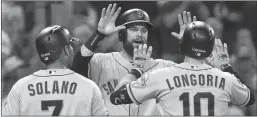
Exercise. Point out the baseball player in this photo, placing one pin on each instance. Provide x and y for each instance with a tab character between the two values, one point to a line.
192	88
107	69
56	90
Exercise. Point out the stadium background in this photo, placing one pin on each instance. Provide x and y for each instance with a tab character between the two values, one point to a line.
234	22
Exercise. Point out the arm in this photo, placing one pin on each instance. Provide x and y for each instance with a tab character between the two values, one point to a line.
106	26
228	68
220	59
144	88
12	103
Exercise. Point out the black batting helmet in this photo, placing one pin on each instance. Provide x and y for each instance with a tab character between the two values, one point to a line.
51	41
133	16
198	40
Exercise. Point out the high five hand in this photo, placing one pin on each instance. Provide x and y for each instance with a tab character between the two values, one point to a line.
106	25
220	57
183	23
141	58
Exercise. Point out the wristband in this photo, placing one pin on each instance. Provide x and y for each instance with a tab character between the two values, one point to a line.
94	40
136	72
225	66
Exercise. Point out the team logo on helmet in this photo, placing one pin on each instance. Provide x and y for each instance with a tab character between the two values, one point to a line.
140	14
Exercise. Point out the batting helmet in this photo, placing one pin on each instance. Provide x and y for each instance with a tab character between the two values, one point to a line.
133	16
198	40
50	42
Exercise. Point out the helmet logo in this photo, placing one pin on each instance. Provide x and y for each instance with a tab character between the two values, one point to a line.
46	58
198	54
140	14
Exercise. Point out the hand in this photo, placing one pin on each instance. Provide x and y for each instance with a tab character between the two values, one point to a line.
106	25
183	23
219	57
141	58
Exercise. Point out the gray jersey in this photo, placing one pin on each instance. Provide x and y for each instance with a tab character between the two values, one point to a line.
108	69
187	89
55	92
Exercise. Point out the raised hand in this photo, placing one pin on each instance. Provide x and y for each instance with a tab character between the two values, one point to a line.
220	56
183	23
141	58
106	25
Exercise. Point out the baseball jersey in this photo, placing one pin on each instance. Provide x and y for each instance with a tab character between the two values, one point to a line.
55	92
188	89
108	69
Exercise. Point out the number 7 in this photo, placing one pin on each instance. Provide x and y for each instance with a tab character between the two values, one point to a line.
57	103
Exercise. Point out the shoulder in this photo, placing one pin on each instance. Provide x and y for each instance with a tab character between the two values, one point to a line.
167	63
85	81
23	81
159	72
104	56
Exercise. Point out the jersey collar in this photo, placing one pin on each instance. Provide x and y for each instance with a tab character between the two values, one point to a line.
53	72
121	60
191	66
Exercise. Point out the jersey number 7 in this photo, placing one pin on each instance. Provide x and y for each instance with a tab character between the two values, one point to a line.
197	103
57	103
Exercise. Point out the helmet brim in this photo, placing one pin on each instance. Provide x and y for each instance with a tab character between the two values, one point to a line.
139	21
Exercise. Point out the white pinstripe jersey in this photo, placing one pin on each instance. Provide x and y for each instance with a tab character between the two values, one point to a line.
107	70
187	89
55	92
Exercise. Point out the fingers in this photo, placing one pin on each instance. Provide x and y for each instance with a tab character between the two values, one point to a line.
113	9
194	18
220	43
176	35
149	52
225	48
119	28
108	10
144	49
185	17
180	20
140	49
189	19
135	53
116	14
103	13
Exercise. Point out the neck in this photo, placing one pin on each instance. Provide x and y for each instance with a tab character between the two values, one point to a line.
126	55
193	61
55	65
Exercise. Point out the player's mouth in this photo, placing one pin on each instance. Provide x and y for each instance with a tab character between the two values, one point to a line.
138	42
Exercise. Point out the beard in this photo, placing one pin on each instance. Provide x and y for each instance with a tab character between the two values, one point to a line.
128	47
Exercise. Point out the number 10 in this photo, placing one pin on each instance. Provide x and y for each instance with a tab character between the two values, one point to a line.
197	103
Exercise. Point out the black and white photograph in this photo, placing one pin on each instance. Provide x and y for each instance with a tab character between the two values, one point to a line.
128	58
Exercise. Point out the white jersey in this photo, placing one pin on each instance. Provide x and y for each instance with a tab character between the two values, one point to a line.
108	69
187	89
54	92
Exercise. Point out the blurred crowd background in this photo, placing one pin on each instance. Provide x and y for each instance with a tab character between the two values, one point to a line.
234	22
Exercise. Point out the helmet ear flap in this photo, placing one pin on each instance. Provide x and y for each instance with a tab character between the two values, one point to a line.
122	35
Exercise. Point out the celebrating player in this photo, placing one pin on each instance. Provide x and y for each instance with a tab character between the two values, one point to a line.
56	90
192	87
108	69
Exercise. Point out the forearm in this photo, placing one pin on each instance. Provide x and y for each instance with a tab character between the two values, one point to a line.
84	55
81	64
120	96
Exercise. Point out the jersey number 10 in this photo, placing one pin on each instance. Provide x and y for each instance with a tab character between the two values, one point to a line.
197	103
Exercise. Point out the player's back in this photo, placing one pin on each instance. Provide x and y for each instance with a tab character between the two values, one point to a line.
56	92
194	90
